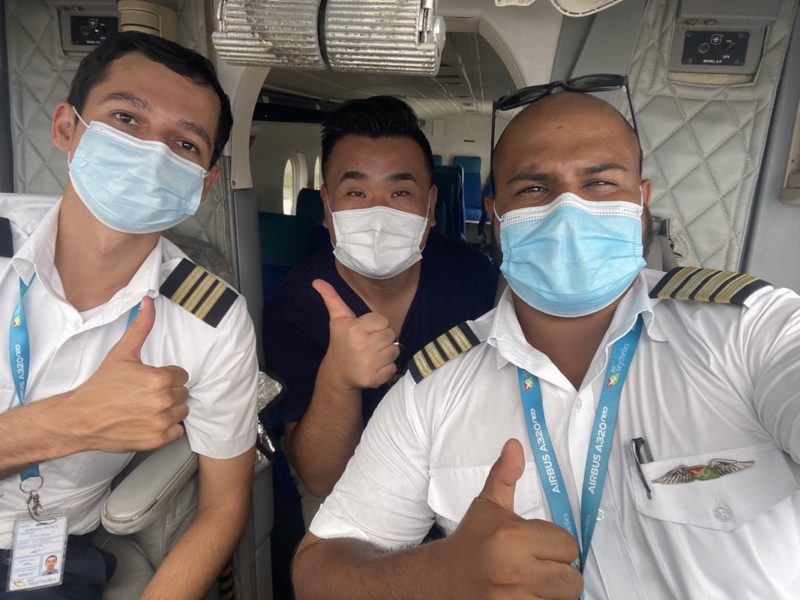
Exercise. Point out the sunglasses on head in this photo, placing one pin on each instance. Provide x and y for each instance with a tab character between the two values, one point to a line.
601	82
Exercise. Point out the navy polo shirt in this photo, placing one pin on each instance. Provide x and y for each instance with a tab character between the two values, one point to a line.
456	283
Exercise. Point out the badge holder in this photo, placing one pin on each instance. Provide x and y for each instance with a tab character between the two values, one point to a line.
39	544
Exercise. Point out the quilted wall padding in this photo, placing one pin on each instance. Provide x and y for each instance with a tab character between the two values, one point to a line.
40	77
703	144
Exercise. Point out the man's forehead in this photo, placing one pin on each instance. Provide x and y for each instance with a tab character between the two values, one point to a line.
588	128
365	154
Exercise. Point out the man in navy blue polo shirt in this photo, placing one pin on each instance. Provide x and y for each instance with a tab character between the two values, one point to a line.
342	327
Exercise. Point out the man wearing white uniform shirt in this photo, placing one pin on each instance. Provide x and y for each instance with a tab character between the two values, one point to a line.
115	341
646	424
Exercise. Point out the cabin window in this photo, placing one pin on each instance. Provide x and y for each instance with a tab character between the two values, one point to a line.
317	173
295	175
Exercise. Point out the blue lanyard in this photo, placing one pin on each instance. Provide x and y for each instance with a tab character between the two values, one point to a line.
19	353
599	445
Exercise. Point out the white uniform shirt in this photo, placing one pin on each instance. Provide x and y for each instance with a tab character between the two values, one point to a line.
707	381
66	348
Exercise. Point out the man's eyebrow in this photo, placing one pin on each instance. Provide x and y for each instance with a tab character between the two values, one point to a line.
127	97
198	130
353	174
528	176
609	166
402	176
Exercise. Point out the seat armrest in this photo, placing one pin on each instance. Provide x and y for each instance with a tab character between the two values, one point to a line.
143	495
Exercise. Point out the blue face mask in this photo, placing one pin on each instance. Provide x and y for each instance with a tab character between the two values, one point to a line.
133	185
572	257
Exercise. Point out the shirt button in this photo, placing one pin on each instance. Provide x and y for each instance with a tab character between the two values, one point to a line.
723	513
600	514
578	404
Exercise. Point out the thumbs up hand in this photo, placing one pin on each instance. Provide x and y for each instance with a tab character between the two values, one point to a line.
361	351
498	554
127	405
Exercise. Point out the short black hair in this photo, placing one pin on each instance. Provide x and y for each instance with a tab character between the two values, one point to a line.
192	65
376	117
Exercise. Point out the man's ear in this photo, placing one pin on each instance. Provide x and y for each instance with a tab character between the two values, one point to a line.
326	220
488	206
64	127
209	180
647	189
433	196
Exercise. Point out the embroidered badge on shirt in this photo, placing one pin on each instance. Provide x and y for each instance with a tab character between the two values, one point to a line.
716	468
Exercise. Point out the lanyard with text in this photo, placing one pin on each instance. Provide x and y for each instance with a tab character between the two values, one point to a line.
19	353
599	446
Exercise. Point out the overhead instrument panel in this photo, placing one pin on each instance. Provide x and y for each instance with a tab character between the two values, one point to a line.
382	36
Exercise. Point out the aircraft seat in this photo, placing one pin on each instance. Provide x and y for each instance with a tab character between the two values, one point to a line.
152	503
309	205
473	202
285	241
448	180
437	160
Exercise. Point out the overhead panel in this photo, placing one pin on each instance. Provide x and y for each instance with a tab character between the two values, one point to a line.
269	33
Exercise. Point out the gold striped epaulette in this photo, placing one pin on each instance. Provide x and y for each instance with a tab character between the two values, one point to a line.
707	285
447	346
199	292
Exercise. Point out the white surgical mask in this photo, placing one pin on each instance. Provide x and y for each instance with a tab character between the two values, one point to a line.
378	242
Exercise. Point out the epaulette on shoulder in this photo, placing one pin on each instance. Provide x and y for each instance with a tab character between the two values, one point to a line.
6	240
707	285
198	291
447	346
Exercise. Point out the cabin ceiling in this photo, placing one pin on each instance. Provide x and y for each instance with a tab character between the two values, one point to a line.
470	77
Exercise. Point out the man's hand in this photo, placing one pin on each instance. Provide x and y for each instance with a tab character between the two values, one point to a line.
127	405
361	351
497	554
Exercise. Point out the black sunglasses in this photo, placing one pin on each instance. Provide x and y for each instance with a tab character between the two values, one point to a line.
600	82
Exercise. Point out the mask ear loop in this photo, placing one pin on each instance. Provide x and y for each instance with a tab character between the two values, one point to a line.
77	114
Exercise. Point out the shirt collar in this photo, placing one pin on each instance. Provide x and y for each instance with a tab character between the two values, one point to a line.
36	256
505	332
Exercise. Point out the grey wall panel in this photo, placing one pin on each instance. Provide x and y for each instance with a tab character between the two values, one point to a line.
773	248
6	158
247	244
40	76
703	144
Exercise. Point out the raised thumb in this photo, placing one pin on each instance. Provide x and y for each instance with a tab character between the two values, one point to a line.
506	471
130	344
337	308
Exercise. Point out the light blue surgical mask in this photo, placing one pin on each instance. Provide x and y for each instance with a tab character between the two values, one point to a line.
572	257
133	185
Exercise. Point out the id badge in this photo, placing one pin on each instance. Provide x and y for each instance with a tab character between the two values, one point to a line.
37	552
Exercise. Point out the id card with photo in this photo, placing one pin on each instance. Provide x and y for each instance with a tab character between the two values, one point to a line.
37	552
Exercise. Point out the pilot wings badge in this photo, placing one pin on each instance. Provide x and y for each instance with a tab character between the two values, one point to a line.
716	468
